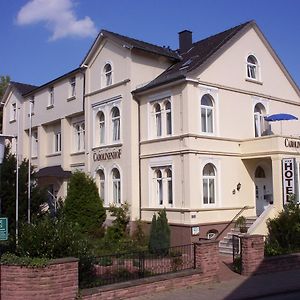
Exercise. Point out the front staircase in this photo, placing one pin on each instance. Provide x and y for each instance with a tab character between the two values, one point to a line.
225	245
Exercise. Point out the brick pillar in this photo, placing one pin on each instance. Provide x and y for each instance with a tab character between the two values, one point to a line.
252	253
207	257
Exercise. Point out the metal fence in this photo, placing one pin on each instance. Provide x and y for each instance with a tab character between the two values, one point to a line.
133	265
237	253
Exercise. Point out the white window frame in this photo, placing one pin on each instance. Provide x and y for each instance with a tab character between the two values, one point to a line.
159	186
102	128
79	136
115	125
116	182
57	141
160	130
72	87
210	178
51	97
13	111
256	66
106	74
207	108
34	143
258	118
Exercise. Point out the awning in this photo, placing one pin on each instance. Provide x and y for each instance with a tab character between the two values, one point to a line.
53	171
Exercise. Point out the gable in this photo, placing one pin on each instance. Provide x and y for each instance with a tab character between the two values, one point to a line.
229	68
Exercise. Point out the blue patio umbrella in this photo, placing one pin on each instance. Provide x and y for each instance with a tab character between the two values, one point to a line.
280	117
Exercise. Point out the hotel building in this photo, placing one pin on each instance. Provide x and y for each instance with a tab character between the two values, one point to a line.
183	130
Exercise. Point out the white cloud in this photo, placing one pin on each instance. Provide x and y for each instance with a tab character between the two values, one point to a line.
58	16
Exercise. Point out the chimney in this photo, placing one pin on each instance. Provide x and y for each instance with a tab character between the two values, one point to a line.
185	40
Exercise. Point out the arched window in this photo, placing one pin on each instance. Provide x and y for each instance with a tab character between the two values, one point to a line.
115	118
209	184
169	186
259	121
207	114
116	185
101	127
260	172
108	74
157	114
168	117
159	186
101	184
252	67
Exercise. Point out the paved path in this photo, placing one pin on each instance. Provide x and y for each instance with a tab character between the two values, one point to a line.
232	286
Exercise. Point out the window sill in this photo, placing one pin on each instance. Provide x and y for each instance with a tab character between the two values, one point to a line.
71	98
34	157
12	121
50	106
107	146
254	81
77	153
53	154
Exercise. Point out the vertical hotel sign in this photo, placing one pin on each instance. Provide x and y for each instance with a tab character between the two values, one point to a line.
289	179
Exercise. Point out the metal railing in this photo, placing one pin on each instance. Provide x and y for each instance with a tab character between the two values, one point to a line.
133	265
231	221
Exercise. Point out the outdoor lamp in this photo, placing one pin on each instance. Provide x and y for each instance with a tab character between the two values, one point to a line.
238	187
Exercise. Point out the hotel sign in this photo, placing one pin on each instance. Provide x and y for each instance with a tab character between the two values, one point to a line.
107	155
288	179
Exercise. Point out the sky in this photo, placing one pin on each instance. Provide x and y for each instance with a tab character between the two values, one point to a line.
44	39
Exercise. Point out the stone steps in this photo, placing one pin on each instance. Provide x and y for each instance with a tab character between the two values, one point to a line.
225	245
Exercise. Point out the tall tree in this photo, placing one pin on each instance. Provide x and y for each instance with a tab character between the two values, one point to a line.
8	191
4	81
83	205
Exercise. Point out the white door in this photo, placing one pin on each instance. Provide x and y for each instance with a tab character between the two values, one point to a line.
263	190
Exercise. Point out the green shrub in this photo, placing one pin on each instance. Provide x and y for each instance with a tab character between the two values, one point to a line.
83	205
12	259
104	261
284	231
159	240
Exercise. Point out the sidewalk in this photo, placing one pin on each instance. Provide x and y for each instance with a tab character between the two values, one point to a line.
234	286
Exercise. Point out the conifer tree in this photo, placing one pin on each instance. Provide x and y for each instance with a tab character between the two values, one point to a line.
83	205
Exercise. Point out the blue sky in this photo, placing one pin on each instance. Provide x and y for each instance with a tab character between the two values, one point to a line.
43	39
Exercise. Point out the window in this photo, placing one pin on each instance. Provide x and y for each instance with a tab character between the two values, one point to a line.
169	186
107	74
79	138
13	112
252	67
157	114
115	118
51	97
101	184
101	127
159	186
207	114
72	87
163	186
260	172
259	120
31	106
116	184
57	141
209	184
34	143
168	117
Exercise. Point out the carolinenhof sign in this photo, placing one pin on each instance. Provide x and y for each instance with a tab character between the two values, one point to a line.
107	155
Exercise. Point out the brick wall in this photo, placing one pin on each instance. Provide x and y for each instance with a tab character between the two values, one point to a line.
207	266
254	262
58	280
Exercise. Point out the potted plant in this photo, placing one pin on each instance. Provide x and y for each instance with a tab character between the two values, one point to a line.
241	224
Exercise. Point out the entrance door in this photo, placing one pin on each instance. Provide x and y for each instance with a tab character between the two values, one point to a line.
262	190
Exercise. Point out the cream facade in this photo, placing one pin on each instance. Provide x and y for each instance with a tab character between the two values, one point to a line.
163	129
